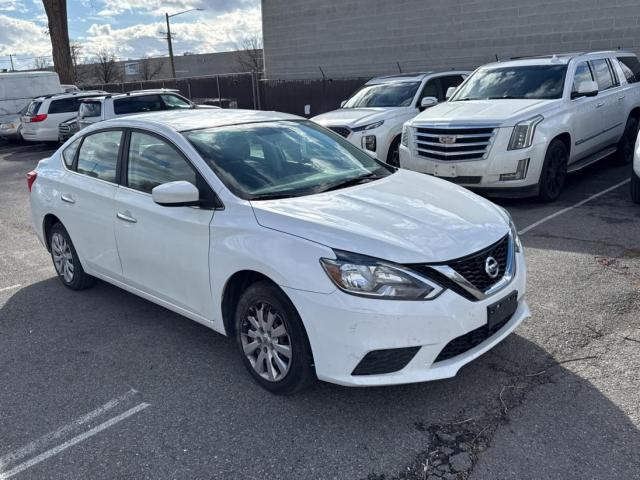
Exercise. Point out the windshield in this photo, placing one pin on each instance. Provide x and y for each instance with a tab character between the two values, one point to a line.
90	109
280	159
399	94
534	82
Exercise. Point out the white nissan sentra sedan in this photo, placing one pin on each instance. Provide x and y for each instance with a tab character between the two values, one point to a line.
320	260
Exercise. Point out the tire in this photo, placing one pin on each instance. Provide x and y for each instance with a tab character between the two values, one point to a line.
626	145
267	326
65	260
554	172
393	156
635	187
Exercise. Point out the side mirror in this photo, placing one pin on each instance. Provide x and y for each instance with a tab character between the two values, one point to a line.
450	92
427	102
586	89
343	103
176	194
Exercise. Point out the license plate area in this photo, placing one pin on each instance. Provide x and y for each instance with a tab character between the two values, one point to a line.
503	309
444	170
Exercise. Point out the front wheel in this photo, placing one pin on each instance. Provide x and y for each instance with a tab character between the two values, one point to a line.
626	145
635	187
554	172
272	340
66	261
393	157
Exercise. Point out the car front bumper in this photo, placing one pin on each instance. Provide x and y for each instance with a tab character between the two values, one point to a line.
343	328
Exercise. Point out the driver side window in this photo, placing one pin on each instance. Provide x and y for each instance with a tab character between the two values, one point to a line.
583	74
431	89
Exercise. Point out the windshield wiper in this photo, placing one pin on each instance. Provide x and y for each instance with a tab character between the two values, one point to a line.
350	182
273	196
504	97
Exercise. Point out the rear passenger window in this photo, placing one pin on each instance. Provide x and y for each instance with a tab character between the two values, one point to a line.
69	153
33	108
631	68
153	161
64	105
98	155
142	103
603	74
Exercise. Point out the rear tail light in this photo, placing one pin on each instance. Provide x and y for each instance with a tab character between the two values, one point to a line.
37	118
31	177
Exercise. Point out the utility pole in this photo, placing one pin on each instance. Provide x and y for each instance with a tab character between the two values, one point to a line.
173	66
11	58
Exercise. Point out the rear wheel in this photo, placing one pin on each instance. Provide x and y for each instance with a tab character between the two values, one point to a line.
626	145
554	171
66	261
635	187
272	340
393	157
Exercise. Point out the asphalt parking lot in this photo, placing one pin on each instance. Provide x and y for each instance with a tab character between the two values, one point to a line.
101	384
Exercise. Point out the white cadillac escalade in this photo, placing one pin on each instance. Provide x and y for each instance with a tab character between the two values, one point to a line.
517	128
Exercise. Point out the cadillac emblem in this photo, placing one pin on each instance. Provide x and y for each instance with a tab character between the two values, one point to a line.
447	139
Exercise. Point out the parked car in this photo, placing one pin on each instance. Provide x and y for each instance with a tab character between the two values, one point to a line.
372	118
139	101
517	128
67	129
635	174
42	119
16	91
10	127
317	258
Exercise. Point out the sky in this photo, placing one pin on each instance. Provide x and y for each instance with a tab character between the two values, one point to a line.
128	28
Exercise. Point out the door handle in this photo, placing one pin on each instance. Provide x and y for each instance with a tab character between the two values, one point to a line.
126	218
601	104
67	198
621	97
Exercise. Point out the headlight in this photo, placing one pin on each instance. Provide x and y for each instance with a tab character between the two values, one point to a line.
366	276
513	229
405	135
371	126
522	136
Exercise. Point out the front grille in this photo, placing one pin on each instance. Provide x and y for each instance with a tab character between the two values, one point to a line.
63	128
378	362
472	268
453	143
466	342
344	131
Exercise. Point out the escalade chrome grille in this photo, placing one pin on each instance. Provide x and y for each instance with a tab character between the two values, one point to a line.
344	131
454	143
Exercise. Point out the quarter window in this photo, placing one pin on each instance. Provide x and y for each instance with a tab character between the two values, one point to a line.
583	74
603	74
631	68
175	102
98	155
153	161
69	153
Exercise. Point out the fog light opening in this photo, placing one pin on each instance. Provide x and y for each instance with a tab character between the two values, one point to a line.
369	142
519	174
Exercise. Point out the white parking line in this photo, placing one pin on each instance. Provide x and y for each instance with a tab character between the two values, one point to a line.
69	443
4	289
62	431
568	209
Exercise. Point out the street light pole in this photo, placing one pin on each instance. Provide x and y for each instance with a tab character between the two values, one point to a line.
167	17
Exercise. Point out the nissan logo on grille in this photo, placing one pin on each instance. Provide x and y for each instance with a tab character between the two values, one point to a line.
447	139
492	267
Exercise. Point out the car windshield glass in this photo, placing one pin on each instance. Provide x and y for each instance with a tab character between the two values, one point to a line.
399	94
534	82
280	159
90	109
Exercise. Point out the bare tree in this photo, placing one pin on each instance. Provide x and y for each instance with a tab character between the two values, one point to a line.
59	32
105	67
249	54
41	63
150	67
79	73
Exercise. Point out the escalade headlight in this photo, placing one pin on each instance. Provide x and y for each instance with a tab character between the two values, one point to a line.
369	277
405	135
522	136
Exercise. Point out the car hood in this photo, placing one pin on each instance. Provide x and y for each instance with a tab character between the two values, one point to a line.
358	117
407	217
505	113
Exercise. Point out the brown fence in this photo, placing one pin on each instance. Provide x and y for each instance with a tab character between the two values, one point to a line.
244	90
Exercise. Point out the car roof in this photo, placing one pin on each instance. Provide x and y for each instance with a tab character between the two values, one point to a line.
557	58
183	120
136	93
63	95
412	77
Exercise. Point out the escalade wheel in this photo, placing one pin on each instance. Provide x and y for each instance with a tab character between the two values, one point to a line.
554	171
626	145
272	340
66	261
635	187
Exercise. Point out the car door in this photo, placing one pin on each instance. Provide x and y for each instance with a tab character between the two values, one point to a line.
586	122
608	104
87	199
164	249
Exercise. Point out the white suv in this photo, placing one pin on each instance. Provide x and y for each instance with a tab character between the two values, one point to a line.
139	101
44	114
635	174
372	118
517	128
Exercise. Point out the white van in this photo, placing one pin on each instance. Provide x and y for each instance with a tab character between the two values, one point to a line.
17	89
